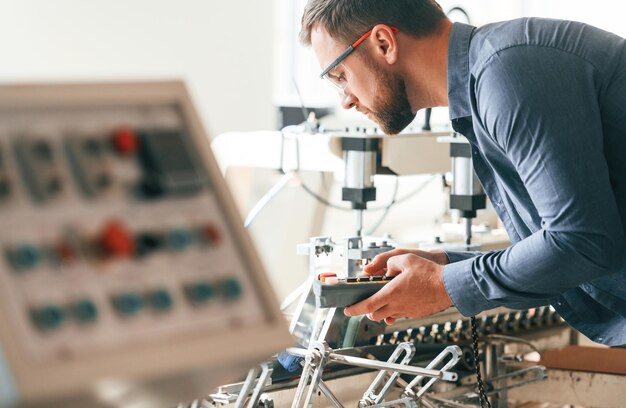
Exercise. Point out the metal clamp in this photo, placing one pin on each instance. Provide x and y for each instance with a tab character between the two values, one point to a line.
452	353
375	393
315	360
261	374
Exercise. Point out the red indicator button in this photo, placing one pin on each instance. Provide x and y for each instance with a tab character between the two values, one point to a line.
117	241
125	141
65	251
212	234
322	276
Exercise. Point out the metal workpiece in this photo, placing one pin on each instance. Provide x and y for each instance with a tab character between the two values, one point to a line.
378	390
402	369
317	246
330	395
356	250
448	359
379	365
319	355
356	254
315	360
423	391
250	390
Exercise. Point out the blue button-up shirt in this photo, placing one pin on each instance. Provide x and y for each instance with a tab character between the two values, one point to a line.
543	104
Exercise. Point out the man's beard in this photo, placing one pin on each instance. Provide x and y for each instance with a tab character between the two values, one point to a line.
391	109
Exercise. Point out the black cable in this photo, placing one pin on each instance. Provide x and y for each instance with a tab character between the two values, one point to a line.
320	198
484	401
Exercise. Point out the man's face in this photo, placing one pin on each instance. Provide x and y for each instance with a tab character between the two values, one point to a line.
371	88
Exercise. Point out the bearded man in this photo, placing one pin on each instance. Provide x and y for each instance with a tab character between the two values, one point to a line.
543	105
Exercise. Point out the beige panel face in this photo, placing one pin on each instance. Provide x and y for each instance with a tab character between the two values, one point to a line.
122	255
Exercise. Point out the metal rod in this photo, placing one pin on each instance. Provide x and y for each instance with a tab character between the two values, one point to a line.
403	369
326	326
266	372
247	386
329	394
468	231
315	381
304	379
381	365
358	219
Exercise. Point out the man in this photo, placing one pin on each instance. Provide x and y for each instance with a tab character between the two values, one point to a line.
543	104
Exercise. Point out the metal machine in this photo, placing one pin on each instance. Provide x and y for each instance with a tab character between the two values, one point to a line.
124	265
343	361
127	279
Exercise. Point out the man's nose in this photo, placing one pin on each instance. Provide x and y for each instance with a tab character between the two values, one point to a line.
348	100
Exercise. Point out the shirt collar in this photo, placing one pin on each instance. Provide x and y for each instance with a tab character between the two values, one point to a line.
458	70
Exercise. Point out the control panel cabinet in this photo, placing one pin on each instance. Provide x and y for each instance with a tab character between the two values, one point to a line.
121	253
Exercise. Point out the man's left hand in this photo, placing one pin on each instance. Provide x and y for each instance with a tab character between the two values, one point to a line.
416	291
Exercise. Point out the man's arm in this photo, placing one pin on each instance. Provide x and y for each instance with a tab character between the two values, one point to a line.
543	112
456	256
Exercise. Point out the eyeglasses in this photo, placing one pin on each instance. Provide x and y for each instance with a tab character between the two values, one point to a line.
340	82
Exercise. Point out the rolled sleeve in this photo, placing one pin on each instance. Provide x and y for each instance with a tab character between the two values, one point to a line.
456	256
462	289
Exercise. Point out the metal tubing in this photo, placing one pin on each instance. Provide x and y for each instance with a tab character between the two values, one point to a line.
380	365
304	379
247	386
455	354
266	372
315	379
370	395
329	394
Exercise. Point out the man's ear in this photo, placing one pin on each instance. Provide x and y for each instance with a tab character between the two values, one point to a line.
385	42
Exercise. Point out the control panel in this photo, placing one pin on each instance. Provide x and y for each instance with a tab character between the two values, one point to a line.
118	238
331	291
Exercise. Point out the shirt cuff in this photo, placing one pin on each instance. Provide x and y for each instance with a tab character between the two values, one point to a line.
463	290
456	256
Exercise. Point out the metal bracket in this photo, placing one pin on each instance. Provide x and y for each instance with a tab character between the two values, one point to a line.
451	353
375	393
261	374
315	360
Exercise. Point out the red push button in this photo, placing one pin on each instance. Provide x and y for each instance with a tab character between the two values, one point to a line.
125	141
212	234
65	251
117	241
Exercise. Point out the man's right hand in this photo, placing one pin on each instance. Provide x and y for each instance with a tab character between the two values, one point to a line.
378	265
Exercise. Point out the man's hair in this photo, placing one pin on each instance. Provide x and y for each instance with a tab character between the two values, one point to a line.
347	20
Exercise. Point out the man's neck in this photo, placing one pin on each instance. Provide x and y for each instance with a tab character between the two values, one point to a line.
426	69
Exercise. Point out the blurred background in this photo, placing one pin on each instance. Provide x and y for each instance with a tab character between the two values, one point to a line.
248	77
239	58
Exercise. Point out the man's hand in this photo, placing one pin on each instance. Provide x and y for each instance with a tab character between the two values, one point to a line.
416	291
378	266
